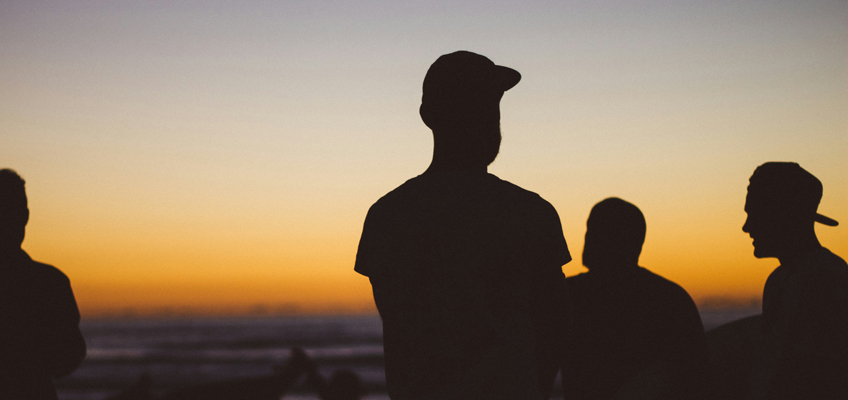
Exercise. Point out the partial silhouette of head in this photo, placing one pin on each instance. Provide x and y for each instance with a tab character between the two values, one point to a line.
461	104
14	213
615	233
782	204
344	385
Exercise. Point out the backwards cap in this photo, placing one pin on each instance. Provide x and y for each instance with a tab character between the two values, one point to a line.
462	75
787	185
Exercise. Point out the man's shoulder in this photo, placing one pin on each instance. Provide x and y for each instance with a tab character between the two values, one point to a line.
425	188
24	266
518	191
820	267
637	282
830	261
827	271
661	284
48	272
397	200
523	202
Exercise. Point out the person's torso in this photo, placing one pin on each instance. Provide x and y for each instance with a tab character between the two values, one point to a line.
454	296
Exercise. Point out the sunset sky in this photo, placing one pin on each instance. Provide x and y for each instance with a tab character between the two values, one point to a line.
220	156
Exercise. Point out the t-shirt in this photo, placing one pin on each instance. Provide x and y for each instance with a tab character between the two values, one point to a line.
805	330
628	322
466	271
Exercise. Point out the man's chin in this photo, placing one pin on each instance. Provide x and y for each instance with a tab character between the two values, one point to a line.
760	252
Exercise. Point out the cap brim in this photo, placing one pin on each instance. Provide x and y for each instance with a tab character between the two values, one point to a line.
825	220
507	77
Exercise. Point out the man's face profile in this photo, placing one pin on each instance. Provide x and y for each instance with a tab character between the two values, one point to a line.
767	225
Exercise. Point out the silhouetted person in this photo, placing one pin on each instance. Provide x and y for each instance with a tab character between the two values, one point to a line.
466	268
638	335
39	320
805	301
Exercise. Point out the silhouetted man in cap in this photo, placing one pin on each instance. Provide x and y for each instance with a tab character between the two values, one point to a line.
805	301
637	335
466	268
39	321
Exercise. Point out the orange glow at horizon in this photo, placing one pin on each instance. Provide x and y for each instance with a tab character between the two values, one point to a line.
290	275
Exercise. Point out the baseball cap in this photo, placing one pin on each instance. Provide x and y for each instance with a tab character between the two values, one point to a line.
462	75
787	185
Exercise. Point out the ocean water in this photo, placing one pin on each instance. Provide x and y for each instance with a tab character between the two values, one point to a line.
182	352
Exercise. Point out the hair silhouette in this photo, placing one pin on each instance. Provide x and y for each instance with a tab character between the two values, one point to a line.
615	233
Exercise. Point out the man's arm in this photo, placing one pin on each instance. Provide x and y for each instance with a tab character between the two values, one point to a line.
65	340
553	321
552	305
69	354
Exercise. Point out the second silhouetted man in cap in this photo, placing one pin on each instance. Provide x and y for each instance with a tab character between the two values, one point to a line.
805	301
466	268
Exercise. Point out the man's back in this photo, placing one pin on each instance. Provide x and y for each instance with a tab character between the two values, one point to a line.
805	327
464	268
39	334
39	320
633	323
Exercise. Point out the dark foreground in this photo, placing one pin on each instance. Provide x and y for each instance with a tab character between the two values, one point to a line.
177	352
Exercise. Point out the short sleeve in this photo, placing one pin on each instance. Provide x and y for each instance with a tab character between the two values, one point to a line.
69	308
553	249
364	263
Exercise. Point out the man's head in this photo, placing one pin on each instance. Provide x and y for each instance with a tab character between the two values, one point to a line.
782	204
461	104
14	213
615	233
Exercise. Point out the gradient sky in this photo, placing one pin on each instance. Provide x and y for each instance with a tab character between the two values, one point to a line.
221	156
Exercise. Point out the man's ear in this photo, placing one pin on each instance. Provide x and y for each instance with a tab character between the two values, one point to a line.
26	216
